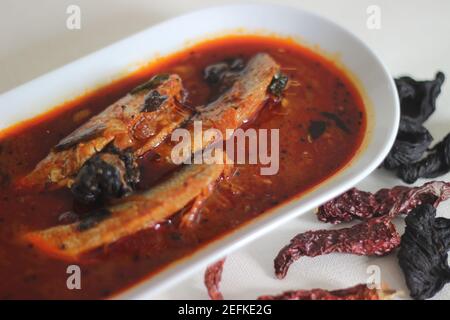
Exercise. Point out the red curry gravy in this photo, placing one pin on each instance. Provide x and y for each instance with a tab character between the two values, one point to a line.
316	85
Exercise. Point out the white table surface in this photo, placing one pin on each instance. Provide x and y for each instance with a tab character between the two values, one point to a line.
413	39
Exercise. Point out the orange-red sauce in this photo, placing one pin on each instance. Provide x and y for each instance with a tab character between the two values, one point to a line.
316	85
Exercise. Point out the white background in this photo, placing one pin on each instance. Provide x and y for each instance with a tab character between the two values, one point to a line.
413	39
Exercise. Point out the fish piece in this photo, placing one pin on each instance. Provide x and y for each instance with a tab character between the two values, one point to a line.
138	212
124	122
231	110
242	101
141	120
237	106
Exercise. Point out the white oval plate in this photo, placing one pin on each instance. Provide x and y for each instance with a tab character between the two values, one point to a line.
101	67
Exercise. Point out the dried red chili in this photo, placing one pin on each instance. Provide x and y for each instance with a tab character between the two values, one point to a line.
358	292
374	237
356	204
212	278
